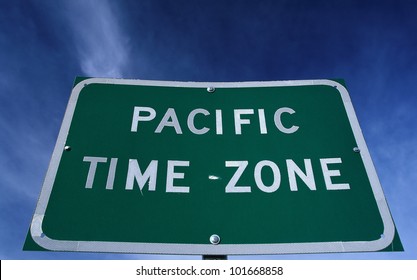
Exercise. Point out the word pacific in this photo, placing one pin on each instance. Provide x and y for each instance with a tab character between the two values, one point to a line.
170	119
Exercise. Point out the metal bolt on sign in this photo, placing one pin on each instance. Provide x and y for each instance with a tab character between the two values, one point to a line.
214	239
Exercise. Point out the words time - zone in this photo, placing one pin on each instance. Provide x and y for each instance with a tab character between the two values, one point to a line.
142	177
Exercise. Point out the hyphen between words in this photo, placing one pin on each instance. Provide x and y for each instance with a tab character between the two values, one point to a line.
170	119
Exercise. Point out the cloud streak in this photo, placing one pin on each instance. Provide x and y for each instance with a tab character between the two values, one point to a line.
101	45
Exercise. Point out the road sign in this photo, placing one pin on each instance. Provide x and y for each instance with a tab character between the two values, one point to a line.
211	168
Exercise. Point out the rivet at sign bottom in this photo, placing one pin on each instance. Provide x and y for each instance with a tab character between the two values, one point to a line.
214	239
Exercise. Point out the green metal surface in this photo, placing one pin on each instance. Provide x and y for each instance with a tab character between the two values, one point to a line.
101	127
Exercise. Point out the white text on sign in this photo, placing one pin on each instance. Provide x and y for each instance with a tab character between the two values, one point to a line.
136	175
170	119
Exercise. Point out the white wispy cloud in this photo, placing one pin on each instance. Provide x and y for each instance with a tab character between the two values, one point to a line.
392	141
21	154
101	45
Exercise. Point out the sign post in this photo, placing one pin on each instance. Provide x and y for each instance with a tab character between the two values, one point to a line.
211	169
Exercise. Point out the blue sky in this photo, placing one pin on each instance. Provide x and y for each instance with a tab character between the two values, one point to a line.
46	44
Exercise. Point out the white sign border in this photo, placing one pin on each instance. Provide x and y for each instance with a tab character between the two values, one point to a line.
208	249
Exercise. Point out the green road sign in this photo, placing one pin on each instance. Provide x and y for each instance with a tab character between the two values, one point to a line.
211	168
